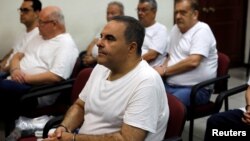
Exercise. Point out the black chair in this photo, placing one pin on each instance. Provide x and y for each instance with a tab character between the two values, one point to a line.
220	84
62	88
76	88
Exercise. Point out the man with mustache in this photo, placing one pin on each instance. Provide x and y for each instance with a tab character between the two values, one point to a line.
192	54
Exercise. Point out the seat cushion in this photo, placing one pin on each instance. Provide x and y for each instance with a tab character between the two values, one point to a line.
30	138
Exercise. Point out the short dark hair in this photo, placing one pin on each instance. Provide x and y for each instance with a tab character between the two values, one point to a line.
134	31
153	3
37	5
194	4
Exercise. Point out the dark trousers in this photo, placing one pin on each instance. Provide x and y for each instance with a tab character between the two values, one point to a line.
3	75
10	93
229	125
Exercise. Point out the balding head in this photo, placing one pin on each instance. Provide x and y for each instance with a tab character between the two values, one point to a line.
51	22
53	13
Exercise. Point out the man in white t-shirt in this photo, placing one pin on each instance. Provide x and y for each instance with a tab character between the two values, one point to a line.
124	98
89	57
29	12
192	54
156	38
48	58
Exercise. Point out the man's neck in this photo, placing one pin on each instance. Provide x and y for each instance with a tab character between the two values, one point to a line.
150	24
31	27
116	74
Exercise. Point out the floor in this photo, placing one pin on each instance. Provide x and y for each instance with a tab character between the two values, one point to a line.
238	76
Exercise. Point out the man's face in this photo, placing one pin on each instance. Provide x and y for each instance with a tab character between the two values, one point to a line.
185	16
146	14
112	46
27	13
45	25
113	10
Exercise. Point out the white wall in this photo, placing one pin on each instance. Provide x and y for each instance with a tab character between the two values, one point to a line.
84	18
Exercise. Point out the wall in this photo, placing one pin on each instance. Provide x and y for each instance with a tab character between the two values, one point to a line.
84	18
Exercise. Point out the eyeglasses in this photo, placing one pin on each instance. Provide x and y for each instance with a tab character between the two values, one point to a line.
45	22
24	10
143	10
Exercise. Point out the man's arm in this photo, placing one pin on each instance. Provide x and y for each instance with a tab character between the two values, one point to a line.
248	97
75	117
150	55
162	68
15	72
127	133
4	60
190	63
246	117
37	79
91	45
42	78
88	58
15	61
7	55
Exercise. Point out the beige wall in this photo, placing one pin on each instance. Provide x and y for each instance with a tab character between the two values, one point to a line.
84	18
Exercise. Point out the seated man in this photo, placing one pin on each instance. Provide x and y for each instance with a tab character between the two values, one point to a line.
89	57
124	98
192	54
29	12
156	38
236	121
48	58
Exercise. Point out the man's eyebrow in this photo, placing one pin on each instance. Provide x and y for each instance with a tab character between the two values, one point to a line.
110	37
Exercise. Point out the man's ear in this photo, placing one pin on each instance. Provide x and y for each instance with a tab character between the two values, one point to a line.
37	13
196	14
132	47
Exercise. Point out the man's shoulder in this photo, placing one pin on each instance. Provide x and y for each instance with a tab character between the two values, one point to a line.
157	29
146	70
160	26
65	38
202	25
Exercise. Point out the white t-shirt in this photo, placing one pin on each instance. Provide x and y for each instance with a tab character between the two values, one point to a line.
156	38
137	99
22	42
57	55
197	40
95	51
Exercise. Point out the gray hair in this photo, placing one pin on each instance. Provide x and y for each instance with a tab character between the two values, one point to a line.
57	15
119	4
